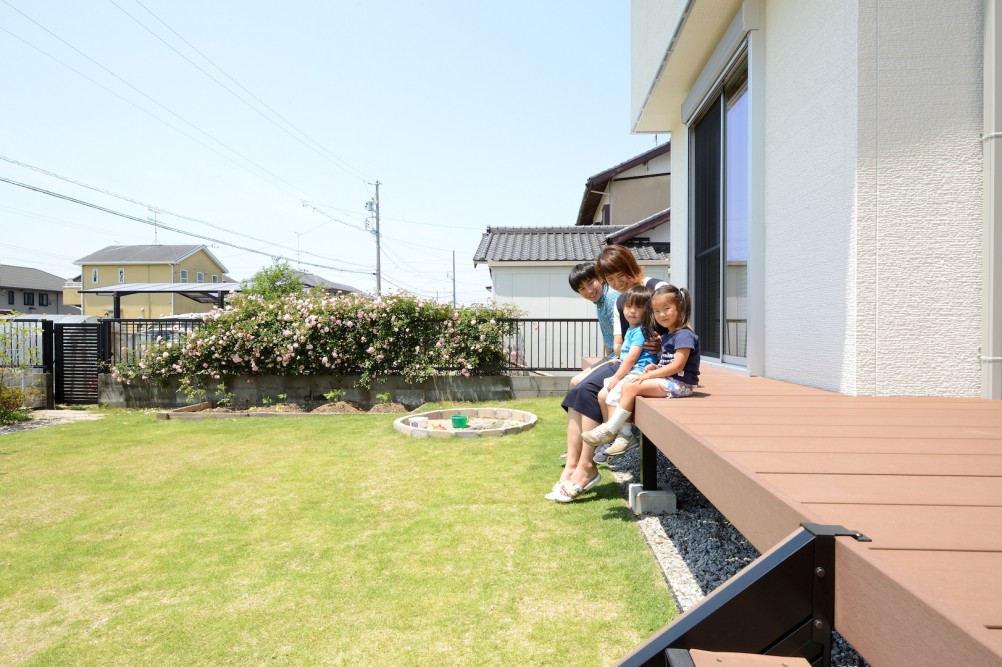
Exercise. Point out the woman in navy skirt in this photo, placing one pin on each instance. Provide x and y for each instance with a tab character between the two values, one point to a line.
616	266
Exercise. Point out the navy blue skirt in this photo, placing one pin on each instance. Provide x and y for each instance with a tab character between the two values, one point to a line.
584	397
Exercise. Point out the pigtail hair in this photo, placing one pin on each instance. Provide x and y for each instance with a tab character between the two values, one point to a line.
683	302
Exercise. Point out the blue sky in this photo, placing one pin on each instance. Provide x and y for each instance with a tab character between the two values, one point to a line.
469	114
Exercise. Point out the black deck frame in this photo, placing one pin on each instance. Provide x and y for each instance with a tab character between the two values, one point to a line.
783	604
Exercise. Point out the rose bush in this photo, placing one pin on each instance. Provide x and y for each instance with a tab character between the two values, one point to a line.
319	334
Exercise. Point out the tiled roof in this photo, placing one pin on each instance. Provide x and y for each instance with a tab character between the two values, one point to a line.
556	244
23	277
313	280
648	223
144	254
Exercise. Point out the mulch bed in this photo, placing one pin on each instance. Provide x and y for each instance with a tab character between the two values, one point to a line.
388	408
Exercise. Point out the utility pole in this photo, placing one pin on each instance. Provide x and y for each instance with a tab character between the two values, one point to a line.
452	274
373	207
153	218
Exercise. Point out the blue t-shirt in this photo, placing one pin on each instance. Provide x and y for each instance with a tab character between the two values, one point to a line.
683	338
605	309
635	336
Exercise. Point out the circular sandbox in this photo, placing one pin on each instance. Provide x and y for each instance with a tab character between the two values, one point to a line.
481	422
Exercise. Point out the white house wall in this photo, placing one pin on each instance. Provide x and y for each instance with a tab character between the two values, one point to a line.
920	220
810	162
873	207
541	292
872	195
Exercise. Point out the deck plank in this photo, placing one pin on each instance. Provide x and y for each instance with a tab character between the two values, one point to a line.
773	443
921	476
866	463
890	489
929	527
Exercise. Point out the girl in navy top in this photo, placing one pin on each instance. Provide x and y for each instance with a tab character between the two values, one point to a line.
677	371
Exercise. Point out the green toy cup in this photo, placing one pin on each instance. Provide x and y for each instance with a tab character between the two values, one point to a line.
459	421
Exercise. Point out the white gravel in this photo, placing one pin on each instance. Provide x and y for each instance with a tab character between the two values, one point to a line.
42	418
697	548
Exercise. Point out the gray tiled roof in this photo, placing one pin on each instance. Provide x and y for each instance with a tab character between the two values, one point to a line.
140	254
555	244
313	280
23	277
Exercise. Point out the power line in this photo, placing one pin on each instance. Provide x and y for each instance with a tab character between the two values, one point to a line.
161	209
337	162
172	229
150	98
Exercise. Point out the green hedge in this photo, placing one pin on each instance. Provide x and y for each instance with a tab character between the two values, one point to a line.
318	334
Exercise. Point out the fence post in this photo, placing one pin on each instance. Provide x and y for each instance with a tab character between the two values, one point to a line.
104	345
48	365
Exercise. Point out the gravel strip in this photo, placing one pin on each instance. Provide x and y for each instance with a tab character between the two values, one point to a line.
697	548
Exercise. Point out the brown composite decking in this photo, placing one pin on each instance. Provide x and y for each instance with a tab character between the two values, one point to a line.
920	476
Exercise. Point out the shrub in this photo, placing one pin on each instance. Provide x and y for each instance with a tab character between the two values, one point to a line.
318	334
14	403
14	400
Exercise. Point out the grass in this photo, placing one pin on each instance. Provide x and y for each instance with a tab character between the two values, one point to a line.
322	540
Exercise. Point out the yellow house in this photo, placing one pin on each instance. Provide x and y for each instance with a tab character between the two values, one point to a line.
147	264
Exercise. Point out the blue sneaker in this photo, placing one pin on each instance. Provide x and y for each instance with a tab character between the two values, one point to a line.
600	456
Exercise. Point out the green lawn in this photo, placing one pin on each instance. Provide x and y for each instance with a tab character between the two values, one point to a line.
322	540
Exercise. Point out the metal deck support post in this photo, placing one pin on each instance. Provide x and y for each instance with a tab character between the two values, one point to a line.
648	464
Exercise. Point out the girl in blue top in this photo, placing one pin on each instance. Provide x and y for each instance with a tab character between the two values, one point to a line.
677	371
633	357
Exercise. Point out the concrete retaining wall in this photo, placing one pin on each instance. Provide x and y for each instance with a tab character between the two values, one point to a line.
33	380
310	390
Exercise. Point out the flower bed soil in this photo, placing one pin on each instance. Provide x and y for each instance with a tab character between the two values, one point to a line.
207	410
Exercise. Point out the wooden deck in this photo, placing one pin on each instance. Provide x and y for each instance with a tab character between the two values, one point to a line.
922	477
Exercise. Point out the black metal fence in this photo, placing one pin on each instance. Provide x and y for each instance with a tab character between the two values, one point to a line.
552	344
535	344
130	339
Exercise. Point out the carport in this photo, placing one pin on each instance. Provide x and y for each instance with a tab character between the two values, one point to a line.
212	293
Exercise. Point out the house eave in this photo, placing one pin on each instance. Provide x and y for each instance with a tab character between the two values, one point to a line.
700	26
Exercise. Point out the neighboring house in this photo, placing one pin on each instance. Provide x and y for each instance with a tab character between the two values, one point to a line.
631	191
146	265
30	291
835	171
313	280
627	204
529	268
529	265
71	293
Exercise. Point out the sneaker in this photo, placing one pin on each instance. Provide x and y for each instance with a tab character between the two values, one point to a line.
621	445
600	456
600	435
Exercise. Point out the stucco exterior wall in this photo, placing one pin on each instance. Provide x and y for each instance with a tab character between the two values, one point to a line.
919	212
810	165
635	199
